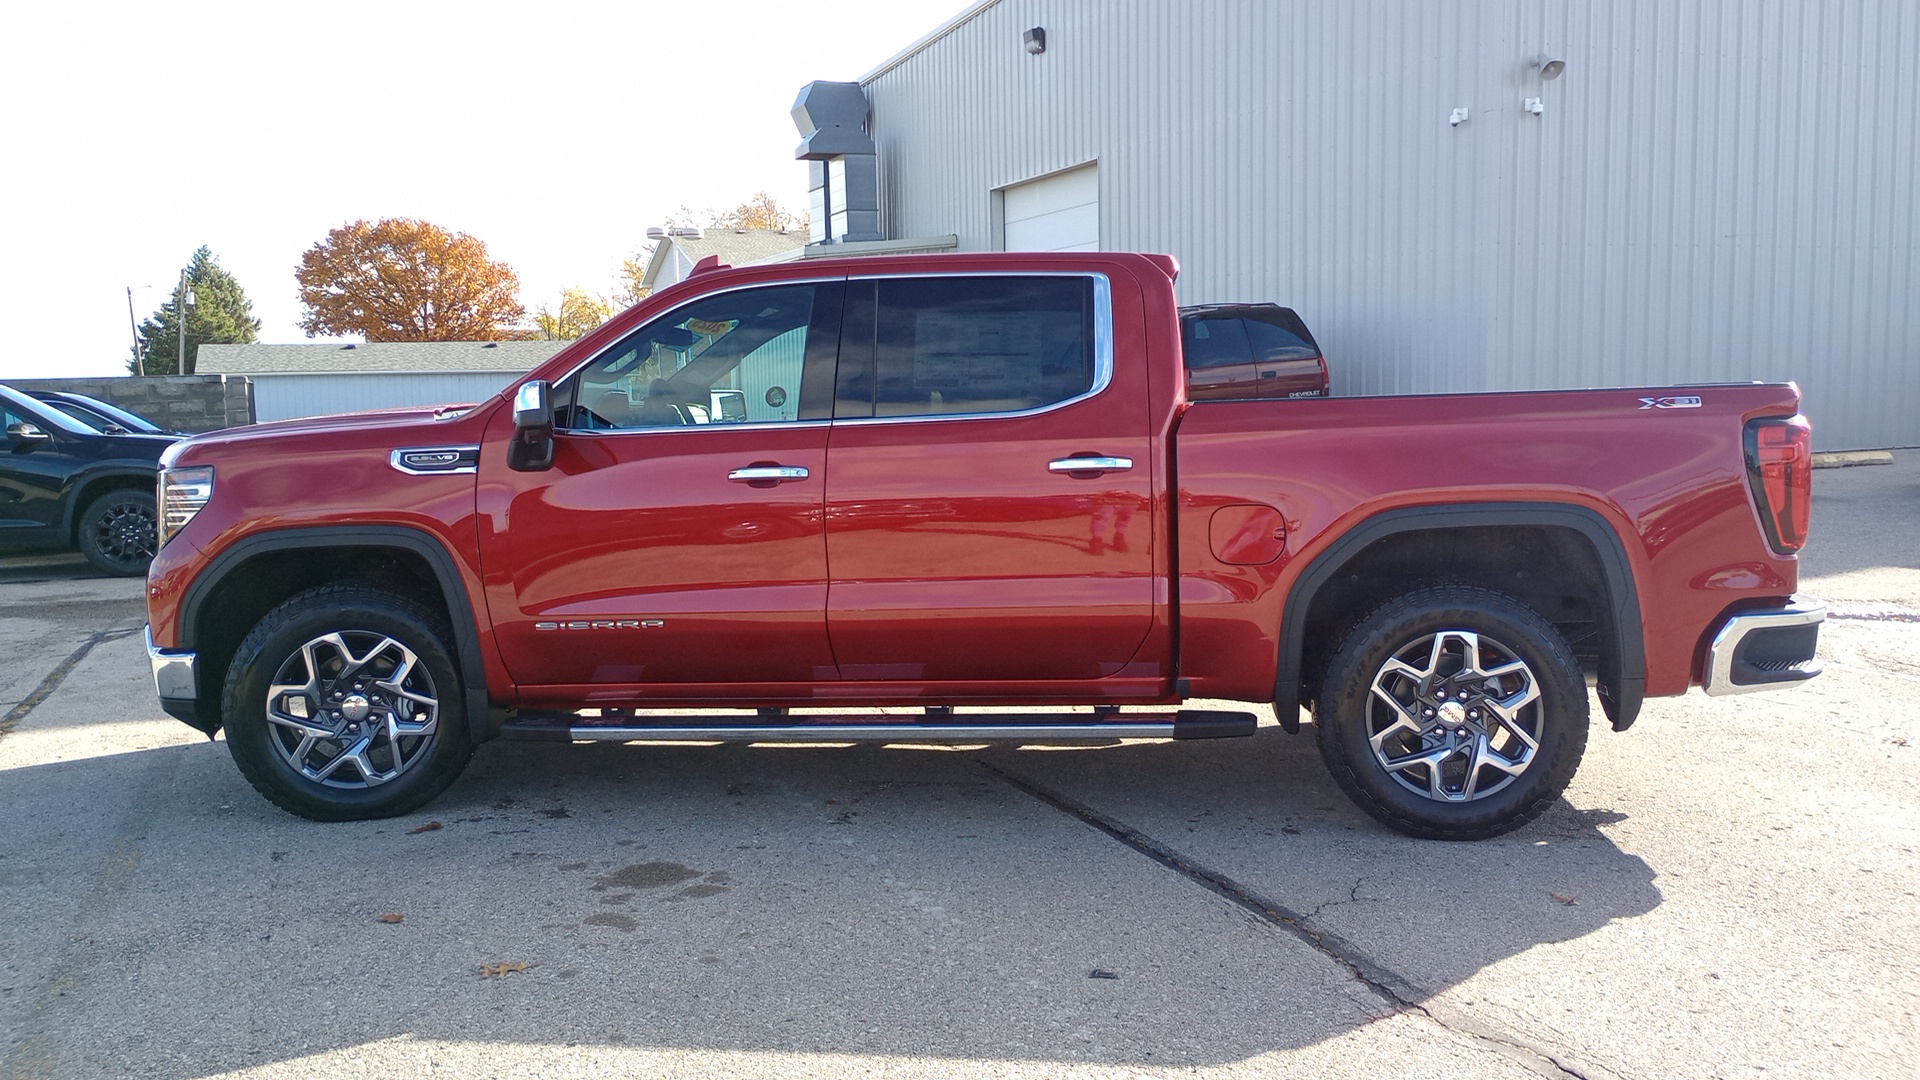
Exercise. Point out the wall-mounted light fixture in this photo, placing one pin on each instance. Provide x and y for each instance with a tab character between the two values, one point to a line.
1036	40
1549	67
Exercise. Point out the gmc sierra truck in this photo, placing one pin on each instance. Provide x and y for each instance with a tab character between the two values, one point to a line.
961	482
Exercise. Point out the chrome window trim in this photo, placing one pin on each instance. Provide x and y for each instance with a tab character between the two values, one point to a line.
473	449
1102	346
1102	351
617	342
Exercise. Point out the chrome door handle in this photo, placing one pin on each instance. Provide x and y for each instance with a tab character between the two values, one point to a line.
763	473
1090	464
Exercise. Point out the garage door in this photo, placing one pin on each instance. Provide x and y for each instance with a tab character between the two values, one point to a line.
1055	213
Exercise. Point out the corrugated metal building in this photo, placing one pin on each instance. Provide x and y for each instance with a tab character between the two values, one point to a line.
292	381
1711	190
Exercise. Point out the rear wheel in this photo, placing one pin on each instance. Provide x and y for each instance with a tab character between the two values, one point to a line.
117	531
1453	713
345	703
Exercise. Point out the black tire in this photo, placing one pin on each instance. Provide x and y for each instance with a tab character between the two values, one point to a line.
118	532
347	648
1461	772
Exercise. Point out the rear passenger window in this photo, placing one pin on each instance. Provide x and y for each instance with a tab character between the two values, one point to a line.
953	345
1272	342
1213	343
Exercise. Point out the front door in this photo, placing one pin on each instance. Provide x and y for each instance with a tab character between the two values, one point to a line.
675	543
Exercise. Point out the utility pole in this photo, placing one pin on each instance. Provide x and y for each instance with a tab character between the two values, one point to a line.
139	362
183	300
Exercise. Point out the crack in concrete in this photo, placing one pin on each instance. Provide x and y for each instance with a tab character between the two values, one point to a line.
55	677
1390	986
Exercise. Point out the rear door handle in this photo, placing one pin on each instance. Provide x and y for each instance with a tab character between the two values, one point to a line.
1089	464
763	473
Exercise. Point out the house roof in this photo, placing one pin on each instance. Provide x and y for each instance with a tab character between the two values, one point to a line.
379	356
735	247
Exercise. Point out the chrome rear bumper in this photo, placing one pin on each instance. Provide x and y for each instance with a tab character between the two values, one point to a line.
1765	649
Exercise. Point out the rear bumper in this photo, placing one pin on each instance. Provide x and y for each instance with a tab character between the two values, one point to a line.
176	680
1765	649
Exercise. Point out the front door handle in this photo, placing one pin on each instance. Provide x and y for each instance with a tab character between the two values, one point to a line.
1090	464
761	474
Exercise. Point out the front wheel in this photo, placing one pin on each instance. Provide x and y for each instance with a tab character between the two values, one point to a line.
117	531
345	704
1453	713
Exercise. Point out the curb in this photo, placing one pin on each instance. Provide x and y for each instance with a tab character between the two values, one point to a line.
1845	458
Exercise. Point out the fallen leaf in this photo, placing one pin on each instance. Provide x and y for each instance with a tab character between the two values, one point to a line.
1567	900
391	917
501	970
428	827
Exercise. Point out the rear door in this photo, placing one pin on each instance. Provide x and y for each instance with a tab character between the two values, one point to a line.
34	474
989	513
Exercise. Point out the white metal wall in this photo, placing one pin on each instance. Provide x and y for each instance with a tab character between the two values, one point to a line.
286	397
1716	189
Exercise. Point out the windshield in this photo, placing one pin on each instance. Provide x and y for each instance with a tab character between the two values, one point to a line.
34	412
80	406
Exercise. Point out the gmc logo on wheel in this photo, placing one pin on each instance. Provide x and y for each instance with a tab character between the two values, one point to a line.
603	624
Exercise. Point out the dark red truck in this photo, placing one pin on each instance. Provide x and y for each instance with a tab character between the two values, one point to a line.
781	494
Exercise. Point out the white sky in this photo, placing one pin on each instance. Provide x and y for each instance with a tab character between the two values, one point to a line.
554	131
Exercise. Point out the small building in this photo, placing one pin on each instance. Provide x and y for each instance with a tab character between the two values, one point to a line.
677	251
291	381
1457	195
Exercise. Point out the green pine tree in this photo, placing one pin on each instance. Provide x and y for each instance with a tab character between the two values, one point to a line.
220	314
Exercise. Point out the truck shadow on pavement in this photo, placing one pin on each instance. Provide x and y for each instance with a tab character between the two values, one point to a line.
873	901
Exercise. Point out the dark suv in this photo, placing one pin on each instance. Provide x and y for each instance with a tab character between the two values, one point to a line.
64	485
1239	351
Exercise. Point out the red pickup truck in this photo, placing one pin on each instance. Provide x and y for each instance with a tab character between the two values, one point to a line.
961	482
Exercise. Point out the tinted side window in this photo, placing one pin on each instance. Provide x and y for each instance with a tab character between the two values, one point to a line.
731	358
1212	343
1272	342
945	345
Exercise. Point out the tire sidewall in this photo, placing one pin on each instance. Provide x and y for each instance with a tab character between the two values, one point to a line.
90	519
277	638
1345	739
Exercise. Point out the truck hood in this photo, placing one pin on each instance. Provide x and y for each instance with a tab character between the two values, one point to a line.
422	424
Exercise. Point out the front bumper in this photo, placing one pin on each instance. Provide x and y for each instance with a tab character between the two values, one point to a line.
1765	649
176	680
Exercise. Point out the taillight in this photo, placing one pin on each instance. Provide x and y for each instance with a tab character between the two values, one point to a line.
1780	471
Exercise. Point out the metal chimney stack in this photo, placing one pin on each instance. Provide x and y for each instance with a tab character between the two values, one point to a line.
844	172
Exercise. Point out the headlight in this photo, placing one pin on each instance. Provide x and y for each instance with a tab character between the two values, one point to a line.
182	494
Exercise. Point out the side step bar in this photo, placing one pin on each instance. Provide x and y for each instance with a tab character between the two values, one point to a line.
1004	727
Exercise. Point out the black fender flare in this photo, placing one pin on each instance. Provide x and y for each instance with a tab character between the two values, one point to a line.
1623	667
446	572
92	473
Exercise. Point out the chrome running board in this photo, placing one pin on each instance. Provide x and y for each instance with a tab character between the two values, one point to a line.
1185	724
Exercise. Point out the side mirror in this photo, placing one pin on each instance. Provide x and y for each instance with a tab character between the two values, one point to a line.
26	438
532	446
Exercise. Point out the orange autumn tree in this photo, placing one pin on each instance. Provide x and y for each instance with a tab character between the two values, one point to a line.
398	279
